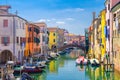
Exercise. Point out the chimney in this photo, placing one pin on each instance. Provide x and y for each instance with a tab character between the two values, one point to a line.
5	8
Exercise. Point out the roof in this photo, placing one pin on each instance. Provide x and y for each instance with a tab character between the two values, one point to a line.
41	24
52	29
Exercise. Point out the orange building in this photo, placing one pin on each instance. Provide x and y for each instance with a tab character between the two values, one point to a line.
32	40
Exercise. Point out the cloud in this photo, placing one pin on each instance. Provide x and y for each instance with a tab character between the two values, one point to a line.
60	22
44	20
79	9
69	19
53	19
73	10
48	20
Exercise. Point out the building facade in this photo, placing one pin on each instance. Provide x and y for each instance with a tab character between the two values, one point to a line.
12	35
53	37
66	37
44	37
103	39
32	40
61	38
115	23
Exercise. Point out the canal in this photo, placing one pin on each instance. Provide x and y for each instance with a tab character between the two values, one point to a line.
64	68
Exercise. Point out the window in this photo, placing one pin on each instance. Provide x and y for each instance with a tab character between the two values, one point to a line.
29	40
29	28
23	25
5	40
119	27
5	23
108	22
24	39
108	6
21	40
53	34
17	39
53	40
114	16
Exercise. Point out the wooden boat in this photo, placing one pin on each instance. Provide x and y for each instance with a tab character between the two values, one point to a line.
26	76
62	52
29	68
41	64
18	69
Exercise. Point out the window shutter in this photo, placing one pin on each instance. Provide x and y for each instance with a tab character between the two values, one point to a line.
2	39
8	40
17	39
5	23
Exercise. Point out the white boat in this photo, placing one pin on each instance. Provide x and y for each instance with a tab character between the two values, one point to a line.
94	62
53	54
29	66
41	64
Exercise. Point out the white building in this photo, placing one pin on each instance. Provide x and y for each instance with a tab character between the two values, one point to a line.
12	35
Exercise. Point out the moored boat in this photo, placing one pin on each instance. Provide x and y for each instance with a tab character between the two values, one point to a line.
18	69
81	60
41	64
31	68
94	62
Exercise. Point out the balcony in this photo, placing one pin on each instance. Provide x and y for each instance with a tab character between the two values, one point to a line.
37	40
36	30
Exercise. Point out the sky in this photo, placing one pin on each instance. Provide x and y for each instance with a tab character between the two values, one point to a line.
72	15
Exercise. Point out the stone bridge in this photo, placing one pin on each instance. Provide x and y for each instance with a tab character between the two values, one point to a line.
69	46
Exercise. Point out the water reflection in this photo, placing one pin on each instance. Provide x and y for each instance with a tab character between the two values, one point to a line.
53	66
97	73
65	68
80	67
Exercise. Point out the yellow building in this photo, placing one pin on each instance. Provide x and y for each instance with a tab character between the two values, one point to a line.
56	37
91	41
97	50
103	39
53	37
98	56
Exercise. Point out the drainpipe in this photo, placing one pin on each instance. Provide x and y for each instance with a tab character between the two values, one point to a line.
13	36
93	35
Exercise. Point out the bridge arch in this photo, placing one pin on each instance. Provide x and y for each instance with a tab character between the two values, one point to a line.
72	45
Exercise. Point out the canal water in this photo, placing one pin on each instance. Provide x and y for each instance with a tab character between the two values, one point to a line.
64	68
